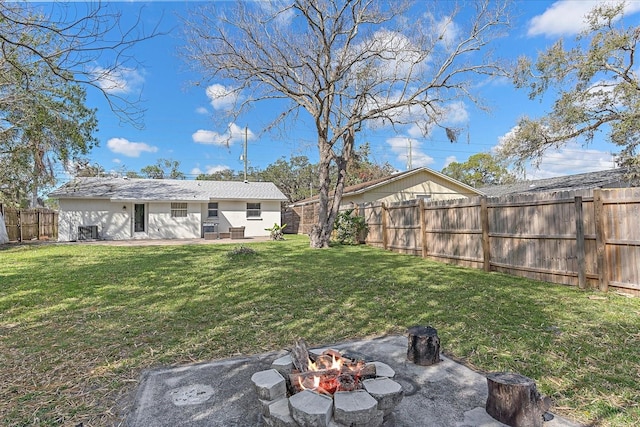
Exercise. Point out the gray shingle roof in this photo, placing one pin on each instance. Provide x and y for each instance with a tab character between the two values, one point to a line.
166	190
601	179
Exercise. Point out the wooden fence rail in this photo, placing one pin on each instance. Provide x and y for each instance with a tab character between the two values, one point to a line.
589	238
30	224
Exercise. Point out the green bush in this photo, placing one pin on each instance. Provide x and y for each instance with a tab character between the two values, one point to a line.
349	228
277	231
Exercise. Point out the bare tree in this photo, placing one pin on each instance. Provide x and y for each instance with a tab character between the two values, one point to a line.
79	43
346	65
50	54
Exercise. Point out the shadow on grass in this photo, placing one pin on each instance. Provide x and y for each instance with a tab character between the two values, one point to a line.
101	314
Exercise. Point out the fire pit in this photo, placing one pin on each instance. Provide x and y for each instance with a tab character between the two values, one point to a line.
321	388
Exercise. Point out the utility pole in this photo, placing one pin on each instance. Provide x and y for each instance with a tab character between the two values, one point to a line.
244	156
409	163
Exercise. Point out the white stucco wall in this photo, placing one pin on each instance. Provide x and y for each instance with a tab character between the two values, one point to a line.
234	214
4	236
162	226
113	223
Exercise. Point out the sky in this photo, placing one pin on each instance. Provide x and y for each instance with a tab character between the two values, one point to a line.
180	116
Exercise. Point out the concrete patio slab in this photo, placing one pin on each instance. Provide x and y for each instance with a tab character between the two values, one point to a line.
221	394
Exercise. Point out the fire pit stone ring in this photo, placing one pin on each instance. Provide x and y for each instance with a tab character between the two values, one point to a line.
370	403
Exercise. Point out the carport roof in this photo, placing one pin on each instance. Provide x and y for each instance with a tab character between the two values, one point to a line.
129	189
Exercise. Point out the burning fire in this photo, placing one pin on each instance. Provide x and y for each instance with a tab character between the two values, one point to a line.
331	372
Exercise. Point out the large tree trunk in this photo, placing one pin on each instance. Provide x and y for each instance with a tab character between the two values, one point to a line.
328	209
320	234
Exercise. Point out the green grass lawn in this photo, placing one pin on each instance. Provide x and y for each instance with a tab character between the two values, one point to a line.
78	323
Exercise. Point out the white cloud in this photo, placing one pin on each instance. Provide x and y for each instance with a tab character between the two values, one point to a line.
400	147
569	160
566	17
233	134
209	169
418	130
121	81
399	56
449	160
129	149
445	28
202	110
202	136
282	11
222	97
456	113
116	161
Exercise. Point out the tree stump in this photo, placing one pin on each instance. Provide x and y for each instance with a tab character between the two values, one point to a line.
514	400
424	345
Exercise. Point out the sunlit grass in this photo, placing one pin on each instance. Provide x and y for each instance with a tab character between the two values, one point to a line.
78	323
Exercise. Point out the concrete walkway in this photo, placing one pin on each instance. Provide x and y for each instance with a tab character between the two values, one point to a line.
221	394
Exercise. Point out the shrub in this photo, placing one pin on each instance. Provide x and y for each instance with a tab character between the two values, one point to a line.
241	251
349	228
277	231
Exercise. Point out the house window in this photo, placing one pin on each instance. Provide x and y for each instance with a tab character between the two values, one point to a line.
253	210
178	210
425	197
212	210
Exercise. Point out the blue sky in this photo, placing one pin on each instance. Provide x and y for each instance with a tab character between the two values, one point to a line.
179	120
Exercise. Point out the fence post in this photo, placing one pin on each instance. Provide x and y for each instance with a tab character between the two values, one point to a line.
385	217
423	228
486	245
580	251
55	218
601	242
19	223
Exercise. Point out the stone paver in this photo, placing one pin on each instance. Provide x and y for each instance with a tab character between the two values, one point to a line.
354	407
387	392
311	409
269	384
279	414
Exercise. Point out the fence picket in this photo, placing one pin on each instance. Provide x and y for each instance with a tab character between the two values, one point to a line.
586	238
31	224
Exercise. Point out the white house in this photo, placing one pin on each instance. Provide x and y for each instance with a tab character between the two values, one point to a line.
124	208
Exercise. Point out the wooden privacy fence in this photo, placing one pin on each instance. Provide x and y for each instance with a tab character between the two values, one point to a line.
588	238
30	224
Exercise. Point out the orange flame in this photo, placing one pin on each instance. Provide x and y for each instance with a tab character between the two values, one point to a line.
329	368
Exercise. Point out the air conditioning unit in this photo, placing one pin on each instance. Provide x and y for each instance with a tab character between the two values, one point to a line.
210	230
88	232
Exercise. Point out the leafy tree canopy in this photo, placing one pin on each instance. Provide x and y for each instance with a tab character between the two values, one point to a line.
50	54
44	122
480	170
361	168
163	169
597	86
297	177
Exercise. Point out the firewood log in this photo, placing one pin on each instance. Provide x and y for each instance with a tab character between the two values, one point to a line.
300	356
